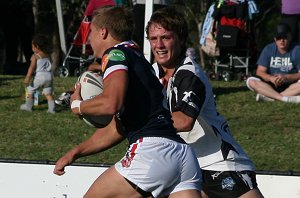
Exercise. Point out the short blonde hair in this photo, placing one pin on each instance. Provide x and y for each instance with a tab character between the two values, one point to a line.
117	19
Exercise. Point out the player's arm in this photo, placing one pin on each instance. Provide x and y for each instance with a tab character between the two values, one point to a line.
30	69
110	101
182	122
190	98
102	139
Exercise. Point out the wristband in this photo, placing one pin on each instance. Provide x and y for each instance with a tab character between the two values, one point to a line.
76	104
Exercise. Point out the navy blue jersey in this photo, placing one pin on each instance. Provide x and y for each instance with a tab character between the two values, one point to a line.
143	114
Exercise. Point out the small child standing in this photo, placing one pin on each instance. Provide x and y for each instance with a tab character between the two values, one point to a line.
41	66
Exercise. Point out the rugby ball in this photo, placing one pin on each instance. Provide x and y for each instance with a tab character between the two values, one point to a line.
91	84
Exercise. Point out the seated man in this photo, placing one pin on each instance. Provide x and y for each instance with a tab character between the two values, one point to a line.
278	70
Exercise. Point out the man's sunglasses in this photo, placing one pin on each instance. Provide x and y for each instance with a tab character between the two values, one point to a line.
280	37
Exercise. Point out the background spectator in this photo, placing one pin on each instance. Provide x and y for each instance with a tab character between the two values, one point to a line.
278	70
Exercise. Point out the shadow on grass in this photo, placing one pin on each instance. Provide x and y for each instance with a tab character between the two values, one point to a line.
8	97
229	90
4	79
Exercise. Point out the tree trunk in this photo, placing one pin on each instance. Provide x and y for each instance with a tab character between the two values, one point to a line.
46	23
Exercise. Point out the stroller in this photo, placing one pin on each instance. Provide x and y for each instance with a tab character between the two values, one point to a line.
80	53
233	38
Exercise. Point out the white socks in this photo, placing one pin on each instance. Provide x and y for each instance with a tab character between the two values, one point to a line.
291	99
285	98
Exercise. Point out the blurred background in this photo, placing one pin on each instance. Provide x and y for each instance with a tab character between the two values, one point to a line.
20	19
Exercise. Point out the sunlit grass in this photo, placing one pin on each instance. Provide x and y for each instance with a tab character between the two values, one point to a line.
269	132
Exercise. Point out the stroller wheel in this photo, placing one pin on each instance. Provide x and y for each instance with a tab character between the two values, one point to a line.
226	75
63	72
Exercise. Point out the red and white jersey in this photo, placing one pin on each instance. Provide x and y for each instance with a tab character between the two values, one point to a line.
190	92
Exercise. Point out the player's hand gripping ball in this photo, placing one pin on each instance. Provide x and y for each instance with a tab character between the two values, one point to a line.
92	85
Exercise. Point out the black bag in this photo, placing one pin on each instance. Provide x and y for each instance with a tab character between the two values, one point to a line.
227	36
239	10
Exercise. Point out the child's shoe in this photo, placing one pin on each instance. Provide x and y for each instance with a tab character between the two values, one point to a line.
24	107
52	112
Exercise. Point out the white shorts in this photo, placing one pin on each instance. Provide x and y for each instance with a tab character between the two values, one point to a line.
160	166
251	78
258	79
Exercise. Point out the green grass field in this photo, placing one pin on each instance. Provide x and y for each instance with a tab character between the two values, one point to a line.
269	132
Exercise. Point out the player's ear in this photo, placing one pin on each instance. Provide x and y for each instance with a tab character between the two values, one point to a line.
103	33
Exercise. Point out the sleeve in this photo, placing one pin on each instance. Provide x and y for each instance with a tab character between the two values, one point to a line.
114	59
190	94
264	58
296	57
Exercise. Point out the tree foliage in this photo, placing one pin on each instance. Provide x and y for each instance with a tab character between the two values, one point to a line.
46	21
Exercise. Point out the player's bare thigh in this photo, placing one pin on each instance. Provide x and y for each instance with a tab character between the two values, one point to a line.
254	193
111	184
203	194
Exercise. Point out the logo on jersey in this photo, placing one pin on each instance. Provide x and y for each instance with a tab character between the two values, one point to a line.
188	98
116	55
105	60
228	183
113	55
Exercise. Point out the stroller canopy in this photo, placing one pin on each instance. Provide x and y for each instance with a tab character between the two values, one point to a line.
93	4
